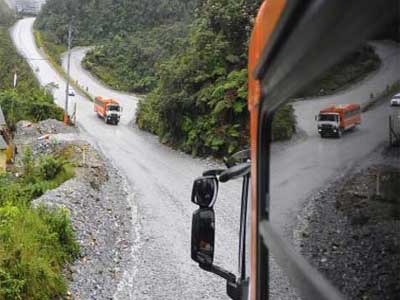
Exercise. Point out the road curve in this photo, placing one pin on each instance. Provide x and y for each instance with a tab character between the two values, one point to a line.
161	179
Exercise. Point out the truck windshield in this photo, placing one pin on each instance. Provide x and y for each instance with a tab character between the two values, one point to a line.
328	117
113	108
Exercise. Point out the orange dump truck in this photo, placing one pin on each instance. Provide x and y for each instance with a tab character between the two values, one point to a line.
334	120
108	109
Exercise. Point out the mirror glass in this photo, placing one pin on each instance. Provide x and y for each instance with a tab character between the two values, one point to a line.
333	178
205	191
203	235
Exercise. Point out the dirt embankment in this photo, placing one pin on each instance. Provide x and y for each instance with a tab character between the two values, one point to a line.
351	231
99	204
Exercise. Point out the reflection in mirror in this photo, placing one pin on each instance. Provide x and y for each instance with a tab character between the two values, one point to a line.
335	173
203	234
205	191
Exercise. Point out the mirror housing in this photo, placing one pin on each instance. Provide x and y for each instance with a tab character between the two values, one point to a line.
203	235
205	191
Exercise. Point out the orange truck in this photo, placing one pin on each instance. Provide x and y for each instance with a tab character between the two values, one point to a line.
334	120
108	109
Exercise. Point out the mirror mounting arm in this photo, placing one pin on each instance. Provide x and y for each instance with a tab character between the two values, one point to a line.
219	271
234	287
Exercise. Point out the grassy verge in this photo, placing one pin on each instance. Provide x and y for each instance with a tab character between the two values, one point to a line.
35	242
53	54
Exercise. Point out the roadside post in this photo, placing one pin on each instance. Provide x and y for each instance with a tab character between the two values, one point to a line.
66	116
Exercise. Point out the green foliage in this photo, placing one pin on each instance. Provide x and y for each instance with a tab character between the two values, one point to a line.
38	175
129	63
101	20
46	40
35	107
284	124
35	243
200	103
9	59
28	163
49	167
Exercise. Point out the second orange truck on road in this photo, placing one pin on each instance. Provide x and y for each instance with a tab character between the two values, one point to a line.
108	109
334	120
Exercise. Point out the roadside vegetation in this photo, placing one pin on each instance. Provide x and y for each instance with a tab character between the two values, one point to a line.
35	242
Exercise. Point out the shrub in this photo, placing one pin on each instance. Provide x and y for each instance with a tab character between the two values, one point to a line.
35	243
49	167
284	123
36	107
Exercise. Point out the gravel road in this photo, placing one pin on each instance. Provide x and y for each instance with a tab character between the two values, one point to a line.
162	178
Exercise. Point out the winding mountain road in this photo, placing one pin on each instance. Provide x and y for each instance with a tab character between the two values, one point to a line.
161	180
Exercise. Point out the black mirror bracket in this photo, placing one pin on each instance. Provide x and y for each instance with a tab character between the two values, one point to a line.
235	288
219	271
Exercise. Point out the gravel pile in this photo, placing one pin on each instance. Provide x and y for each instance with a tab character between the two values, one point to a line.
351	231
99	203
43	137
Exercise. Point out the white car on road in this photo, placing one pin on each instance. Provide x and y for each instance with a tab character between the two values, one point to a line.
395	100
71	92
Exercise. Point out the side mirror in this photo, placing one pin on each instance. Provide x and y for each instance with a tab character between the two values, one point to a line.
316	117
121	109
205	191
203	234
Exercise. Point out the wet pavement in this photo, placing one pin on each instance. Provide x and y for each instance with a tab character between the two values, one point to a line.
161	179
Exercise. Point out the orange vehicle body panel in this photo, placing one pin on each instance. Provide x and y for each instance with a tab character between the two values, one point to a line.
346	120
265	22
100	105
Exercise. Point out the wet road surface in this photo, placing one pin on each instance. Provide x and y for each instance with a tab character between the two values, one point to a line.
161	180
